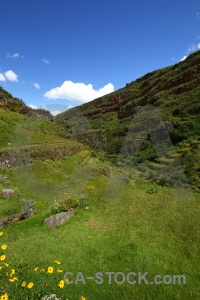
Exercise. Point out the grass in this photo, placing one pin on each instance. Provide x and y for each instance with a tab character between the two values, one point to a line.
173	91
137	232
21	130
123	223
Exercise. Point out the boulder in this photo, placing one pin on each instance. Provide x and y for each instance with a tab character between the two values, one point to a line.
7	193
59	219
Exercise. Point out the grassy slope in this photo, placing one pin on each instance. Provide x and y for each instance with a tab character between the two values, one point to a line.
19	129
137	232
173	90
118	227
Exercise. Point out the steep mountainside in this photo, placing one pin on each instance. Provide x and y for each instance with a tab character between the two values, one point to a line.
173	93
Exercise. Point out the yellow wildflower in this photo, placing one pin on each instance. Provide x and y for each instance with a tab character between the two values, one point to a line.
30	285
4	297
2	257
61	284
4	247
23	283
42	270
12	272
59	271
50	270
6	265
1	233
36	269
12	280
82	298
15	278
57	262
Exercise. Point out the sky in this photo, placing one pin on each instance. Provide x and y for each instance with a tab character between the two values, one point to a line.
58	54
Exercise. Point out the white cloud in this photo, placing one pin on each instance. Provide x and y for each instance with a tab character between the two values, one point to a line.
198	14
15	55
36	85
193	47
183	58
46	61
78	92
33	106
2	77
11	76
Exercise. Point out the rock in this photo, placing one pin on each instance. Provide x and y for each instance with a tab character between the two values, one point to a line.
11	219
59	219
27	214
14	218
7	193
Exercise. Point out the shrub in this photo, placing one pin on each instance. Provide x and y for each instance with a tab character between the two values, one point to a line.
152	190
27	208
64	205
162	181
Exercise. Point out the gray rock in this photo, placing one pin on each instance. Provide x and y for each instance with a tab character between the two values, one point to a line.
27	214
7	193
59	219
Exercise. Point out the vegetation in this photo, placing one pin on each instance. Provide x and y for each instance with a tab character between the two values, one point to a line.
145	230
134	212
174	91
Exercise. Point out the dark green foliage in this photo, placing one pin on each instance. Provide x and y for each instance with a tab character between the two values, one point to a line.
152	190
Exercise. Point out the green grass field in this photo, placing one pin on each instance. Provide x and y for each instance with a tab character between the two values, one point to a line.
123	223
118	227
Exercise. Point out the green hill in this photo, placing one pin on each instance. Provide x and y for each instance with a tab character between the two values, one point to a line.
27	134
174	93
123	223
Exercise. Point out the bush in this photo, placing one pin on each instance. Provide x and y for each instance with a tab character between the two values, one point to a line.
64	205
27	208
152	190
162	181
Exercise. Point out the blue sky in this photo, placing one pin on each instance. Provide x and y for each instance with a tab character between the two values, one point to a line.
60	54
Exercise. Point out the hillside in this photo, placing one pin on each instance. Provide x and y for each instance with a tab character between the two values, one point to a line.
174	93
27	134
121	222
